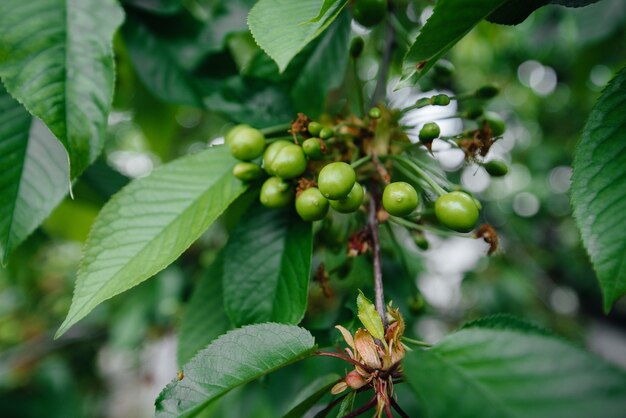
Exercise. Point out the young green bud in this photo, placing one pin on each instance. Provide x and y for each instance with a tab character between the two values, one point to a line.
440	100
474	113
247	171
375	113
429	132
315	128
487	92
356	47
422	102
421	241
495	122
496	168
326	133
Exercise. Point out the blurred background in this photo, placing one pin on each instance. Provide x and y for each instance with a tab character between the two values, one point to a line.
551	69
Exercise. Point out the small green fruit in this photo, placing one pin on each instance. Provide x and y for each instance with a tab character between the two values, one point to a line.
276	193
429	132
231	132
312	147
352	202
289	162
496	168
311	205
457	211
315	128
336	180
440	100
369	12
356	47
326	133
271	152
375	113
495	122
421	241
247	171
399	198
245	143
474	112
487	92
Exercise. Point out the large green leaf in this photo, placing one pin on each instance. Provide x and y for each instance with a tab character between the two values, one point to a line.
267	264
513	12
56	59
598	186
34	177
284	27
451	20
324	69
204	318
149	223
234	359
501	368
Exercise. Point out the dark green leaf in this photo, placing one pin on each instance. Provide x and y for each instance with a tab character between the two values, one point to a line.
324	69
204	318
35	174
267	264
598	185
157	6
487	370
56	59
346	405
284	28
451	21
149	223
234	359
311	394
513	12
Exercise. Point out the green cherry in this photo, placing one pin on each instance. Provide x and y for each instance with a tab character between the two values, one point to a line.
352	202
314	128
275	193
487	92
311	205
245	143
289	162
247	171
496	168
271	152
399	199
312	147
326	133
495	122
335	180
457	211
429	132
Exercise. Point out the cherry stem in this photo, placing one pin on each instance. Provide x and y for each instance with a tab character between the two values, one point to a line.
424	228
361	161
395	406
382	171
283	128
369	405
423	174
379	296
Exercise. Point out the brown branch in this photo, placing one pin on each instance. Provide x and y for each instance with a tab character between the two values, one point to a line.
369	405
379	300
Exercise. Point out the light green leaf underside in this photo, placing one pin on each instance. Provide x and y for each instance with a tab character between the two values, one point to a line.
284	27
56	59
234	359
369	317
149	223
204	318
599	189
451	20
34	177
267	263
501	373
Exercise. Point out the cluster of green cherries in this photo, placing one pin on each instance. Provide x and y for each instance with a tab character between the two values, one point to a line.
337	186
284	161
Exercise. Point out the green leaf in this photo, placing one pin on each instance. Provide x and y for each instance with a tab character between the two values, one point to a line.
149	223
232	360
267	263
451	20
488	370
204	318
56	59
284	27
157	6
513	12
347	404
369	317
311	394
324	69
34	177
598	185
